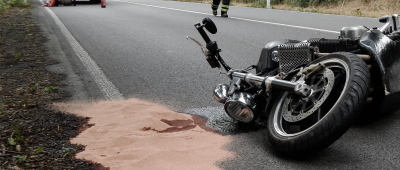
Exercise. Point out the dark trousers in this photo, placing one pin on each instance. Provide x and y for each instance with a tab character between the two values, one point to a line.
224	2
225	5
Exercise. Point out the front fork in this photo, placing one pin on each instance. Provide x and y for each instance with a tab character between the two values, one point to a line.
268	83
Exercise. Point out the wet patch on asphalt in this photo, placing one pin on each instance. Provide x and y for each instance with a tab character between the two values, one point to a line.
220	121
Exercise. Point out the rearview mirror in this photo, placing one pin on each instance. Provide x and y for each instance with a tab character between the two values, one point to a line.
210	26
384	19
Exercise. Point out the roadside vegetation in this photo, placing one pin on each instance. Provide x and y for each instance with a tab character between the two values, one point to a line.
4	4
33	136
360	8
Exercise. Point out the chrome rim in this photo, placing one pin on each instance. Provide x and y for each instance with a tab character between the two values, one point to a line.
288	123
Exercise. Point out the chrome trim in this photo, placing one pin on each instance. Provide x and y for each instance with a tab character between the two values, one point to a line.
239	75
203	49
275	56
396	26
270	82
267	83
221	93
235	85
243	105
365	57
383	27
352	33
250	78
302	89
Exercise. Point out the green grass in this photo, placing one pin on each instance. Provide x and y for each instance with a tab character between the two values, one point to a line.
259	4
50	88
17	57
4	4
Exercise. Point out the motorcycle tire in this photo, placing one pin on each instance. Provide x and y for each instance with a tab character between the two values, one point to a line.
375	109
335	109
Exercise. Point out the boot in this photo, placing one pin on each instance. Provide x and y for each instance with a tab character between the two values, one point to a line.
215	13
224	14
214	8
224	11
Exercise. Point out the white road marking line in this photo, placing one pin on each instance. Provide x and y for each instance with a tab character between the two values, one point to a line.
244	19
105	85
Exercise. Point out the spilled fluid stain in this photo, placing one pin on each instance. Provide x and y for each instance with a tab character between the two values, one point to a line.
135	134
217	120
176	126
183	125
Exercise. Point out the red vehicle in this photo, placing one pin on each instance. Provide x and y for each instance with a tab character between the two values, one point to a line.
51	3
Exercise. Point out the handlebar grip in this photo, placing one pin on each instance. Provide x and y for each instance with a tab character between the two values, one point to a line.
203	33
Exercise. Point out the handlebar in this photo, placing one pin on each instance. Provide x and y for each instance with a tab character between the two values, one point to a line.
203	34
212	56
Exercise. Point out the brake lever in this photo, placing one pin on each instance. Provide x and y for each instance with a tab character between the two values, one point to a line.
203	49
210	57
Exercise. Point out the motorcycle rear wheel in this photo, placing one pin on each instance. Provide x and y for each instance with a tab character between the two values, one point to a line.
329	115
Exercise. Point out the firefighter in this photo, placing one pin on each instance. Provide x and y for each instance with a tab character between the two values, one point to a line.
224	8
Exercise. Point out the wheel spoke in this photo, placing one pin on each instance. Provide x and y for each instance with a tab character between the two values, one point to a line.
339	77
313	99
303	106
318	90
297	105
319	82
294	105
318	78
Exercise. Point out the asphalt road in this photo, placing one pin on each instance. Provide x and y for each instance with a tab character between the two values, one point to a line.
139	48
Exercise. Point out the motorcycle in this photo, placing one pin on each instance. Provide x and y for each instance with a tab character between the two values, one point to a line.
310	92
